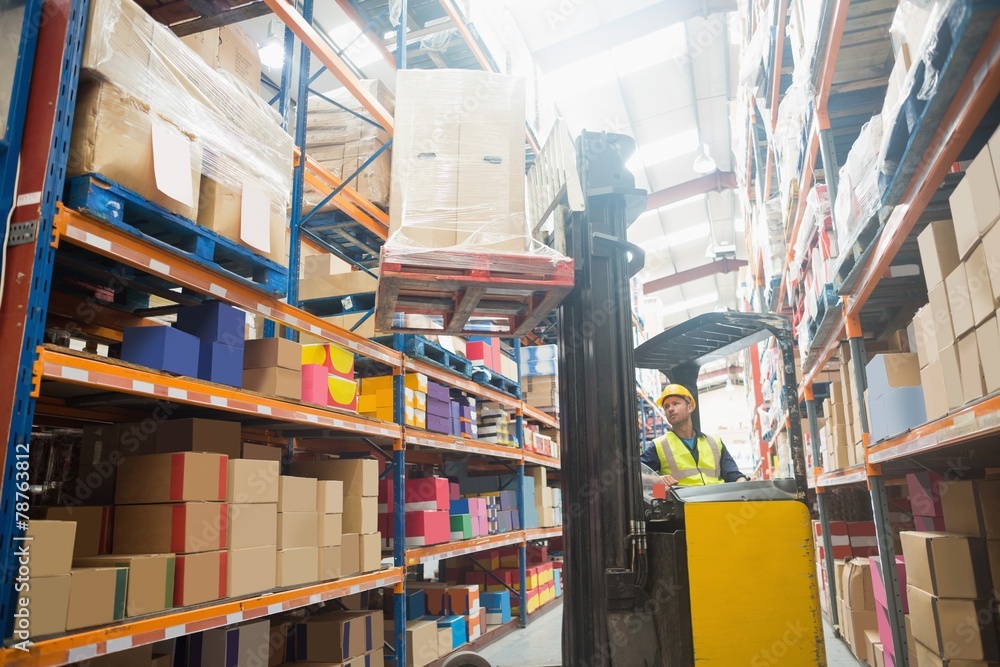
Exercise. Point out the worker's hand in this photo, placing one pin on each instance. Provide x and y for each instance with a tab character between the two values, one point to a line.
668	480
743	479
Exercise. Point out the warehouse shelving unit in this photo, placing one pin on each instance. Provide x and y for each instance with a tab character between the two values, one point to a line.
33	373
915	195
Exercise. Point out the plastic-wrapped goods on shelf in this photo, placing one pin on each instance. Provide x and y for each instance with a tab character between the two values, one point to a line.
794	112
858	197
341	140
769	235
195	114
815	219
458	185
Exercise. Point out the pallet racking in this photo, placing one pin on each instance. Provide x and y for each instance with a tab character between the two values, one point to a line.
31	370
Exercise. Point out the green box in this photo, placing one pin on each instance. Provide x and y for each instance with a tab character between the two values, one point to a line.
461	526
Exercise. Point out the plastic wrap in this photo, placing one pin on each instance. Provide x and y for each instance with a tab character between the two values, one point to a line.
769	236
858	196
815	219
458	185
146	77
794	111
341	141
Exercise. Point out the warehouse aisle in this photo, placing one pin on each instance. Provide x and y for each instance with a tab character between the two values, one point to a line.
538	646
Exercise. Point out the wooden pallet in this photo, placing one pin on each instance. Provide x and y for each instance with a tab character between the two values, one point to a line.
126	210
488	378
346	304
484	286
419	347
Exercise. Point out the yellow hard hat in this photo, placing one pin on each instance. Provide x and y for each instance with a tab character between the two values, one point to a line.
676	390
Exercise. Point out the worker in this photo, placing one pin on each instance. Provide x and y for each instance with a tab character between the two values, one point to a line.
685	456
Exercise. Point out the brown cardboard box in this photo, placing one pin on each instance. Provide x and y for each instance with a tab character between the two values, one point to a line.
165	478
963	213
988	338
113	136
370	554
199	435
272	353
925	657
946	565
329	563
252	481
93	527
952	377
925	336
953	628
252	526
96	596
360	514
297	530
221	210
360	476
296	494
178	528
251	570
986	197
297	566
857	590
51	544
110	442
959	301
938	251
120	53
200	577
971	508
980	291
150	580
991	248
444	641
261	452
350	554
856	623
280	648
421	643
872	644
47	604
330	496
973	383
944	331
935	394
231	49
274	381
331	527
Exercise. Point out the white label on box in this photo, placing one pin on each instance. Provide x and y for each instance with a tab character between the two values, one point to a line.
172	162
255	217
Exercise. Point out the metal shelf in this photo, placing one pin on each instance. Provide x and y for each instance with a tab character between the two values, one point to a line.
532	413
453	443
90	643
109	375
542	533
443	376
420	555
853	475
542	460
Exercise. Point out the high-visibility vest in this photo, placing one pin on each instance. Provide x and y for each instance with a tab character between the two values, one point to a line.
677	460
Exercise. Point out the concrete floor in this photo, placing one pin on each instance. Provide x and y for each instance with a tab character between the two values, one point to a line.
539	645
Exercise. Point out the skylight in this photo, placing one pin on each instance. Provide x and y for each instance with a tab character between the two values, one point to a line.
652	49
694	302
577	78
689	235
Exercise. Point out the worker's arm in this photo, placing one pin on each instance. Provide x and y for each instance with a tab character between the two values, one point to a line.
728	469
650	458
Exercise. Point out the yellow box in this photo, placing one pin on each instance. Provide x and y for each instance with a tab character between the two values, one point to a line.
533	581
376	384
409	416
409	398
341	360
420	400
384	414
416	382
343	392
383	398
367	403
510	561
421	420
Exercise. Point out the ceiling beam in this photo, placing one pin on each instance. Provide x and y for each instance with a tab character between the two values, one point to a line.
624	30
703	271
717	181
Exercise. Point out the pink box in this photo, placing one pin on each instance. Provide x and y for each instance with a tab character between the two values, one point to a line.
385	491
839	538
455	492
479	351
428	494
862	538
484	525
885	632
925	498
426	528
878	583
314	384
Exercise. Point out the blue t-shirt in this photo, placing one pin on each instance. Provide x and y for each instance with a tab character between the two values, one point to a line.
691	444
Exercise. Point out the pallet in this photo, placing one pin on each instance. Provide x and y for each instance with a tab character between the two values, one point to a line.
956	43
488	378
856	257
347	304
130	212
419	347
505	302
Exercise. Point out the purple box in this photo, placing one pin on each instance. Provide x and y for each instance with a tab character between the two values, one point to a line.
466	429
465	411
218	362
214	323
508	500
504	522
438	391
438	424
438	408
456	409
515	520
163	348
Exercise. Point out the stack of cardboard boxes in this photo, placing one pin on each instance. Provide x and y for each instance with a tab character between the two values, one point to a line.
548	500
273	366
330	517
834	432
895	399
857	605
495	425
336	638
252	529
298	531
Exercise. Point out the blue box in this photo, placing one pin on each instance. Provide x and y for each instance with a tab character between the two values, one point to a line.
497	606
218	362
460	507
163	348
530	518
459	631
539	368
416	603
557	579
214	323
540	352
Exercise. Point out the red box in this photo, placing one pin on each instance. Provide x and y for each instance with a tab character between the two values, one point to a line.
385	490
428	494
925	497
478	578
426	528
839	538
456	494
495	347
537	555
479	351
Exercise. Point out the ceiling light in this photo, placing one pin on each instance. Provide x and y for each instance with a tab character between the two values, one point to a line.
703	162
272	53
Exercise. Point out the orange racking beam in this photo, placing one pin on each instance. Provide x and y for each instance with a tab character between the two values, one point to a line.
829	62
307	34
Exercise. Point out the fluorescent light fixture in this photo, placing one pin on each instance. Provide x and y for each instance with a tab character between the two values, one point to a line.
272	53
689	235
694	302
357	47
649	50
703	162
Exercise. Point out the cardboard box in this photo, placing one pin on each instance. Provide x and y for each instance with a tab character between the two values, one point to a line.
272	353
951	368
162	348
150	584
886	372
231	49
445	644
297	566
198	435
51	544
350	554
938	251
329	563
93	527
370	552
177	528
96	596
47	604
953	628
274	381
251	570
221	210
972	508
960	301
946	565
296	493
856	590
165	478
252	526
980	289
330	497
991	248
421	643
360	476
988	338
200	577
925	493
261	452
337	637
297	530
973	383
361	514
925	336
932	383
944	330
239	646
331	528
252	481
854	624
